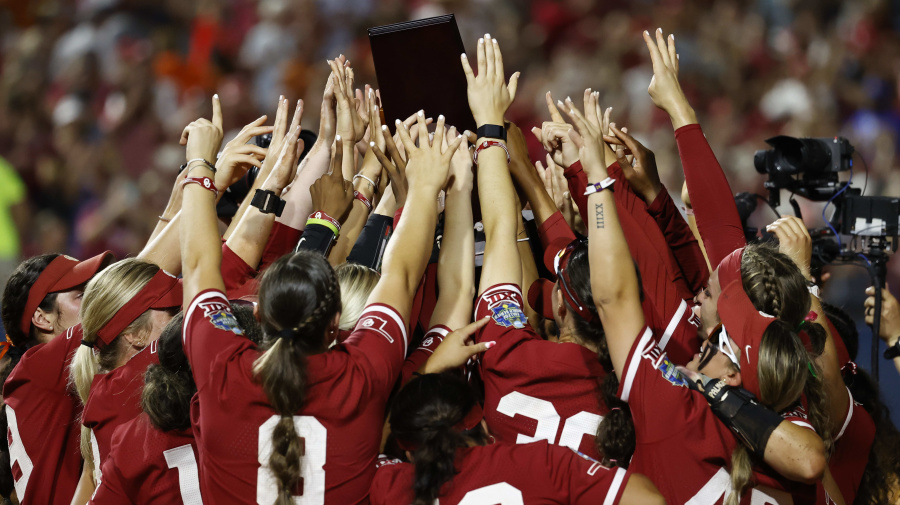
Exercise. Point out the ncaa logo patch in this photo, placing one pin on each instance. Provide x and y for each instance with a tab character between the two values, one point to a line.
509	314
671	374
220	316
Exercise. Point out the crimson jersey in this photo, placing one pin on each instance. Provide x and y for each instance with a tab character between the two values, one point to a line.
341	423
417	358
42	414
532	474
114	400
535	389
146	466
851	451
681	443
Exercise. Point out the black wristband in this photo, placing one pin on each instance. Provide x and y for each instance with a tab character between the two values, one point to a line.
892	351
752	422
316	237
268	202
491	131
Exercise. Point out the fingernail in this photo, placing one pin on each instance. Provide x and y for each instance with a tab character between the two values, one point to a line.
467	133
488	345
481	41
487	35
216	96
337	137
646	32
568	99
371	144
672	36
421	113
559	103
397	121
440	117
459	136
384	127
463	56
589	90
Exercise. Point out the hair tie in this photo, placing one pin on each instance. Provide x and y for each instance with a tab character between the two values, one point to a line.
849	367
287	333
812	371
614	408
812	316
87	344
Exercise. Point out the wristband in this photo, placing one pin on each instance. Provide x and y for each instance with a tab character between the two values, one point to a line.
599	186
813	289
268	202
362	198
892	351
325	220
361	176
208	164
489	143
491	131
204	182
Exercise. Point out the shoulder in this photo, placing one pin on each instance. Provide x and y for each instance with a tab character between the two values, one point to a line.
392	482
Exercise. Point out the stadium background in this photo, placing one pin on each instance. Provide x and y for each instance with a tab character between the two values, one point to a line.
94	94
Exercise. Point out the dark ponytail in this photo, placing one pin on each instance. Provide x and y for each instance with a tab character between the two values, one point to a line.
615	437
423	417
169	386
298	297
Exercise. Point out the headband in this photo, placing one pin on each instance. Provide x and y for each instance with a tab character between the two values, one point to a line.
468	422
561	264
163	291
746	326
64	272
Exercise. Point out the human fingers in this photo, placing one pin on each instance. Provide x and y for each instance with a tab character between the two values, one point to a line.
471	328
382	158
298	116
439	132
338	156
453	146
673	54
392	148
663	48
498	61
490	63
513	85
422	128
407	142
555	116
470	75
217	111
482	62
655	57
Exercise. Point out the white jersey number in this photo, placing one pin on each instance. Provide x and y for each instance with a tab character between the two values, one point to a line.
17	455
719	487
182	458
495	494
312	469
542	411
95	451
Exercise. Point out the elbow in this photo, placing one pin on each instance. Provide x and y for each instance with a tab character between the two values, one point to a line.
812	470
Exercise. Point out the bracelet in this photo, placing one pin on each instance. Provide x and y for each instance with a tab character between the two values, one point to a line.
599	186
522	239
813	289
361	176
324	219
163	219
362	198
489	143
204	182
688	211
208	164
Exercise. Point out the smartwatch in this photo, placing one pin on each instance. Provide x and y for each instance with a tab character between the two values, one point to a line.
491	131
268	202
892	351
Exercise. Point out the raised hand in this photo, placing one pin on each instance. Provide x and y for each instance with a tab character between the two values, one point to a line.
489	94
284	167
279	131
889	330
456	348
238	156
641	172
794	241
594	153
554	135
428	164
350	126
665	91
203	137
461	175
331	193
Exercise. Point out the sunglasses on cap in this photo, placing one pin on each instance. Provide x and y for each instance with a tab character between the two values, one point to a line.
718	341
562	264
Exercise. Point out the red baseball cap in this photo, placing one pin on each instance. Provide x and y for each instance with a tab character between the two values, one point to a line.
64	272
540	297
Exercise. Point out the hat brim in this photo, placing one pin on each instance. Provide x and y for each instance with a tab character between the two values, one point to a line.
540	297
83	272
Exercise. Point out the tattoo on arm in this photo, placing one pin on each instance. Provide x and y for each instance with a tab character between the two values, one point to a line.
598	215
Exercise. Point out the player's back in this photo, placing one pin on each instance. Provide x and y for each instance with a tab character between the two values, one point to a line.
529	474
42	415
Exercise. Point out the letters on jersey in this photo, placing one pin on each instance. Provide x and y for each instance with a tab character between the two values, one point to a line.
220	316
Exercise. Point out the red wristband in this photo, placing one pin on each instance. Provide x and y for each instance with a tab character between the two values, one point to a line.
325	217
362	198
489	143
204	182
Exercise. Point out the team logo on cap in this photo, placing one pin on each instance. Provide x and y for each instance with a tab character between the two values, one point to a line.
509	314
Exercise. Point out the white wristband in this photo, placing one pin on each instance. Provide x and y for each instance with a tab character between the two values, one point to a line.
599	186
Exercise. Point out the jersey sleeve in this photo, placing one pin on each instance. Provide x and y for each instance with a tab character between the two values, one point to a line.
713	202
681	240
555	236
282	240
235	271
503	303
798	415
212	335
418	357
381	335
584	480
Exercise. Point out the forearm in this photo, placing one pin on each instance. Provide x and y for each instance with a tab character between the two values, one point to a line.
681	241
499	214
529	272
828	362
712	199
250	236
414	235
298	202
350	231
201	249
542	204
456	264
164	249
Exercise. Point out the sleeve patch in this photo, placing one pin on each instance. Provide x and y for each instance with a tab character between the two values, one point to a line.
660	361
377	324
508	313
220	316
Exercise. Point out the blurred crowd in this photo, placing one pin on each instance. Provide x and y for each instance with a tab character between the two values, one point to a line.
94	93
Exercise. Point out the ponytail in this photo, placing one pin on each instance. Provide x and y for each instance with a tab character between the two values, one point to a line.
298	297
435	462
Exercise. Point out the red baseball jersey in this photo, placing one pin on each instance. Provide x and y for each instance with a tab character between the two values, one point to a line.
115	399
851	451
535	389
42	414
341	423
417	358
509	474
146	466
681	444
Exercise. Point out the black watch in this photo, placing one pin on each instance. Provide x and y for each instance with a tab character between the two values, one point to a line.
268	202
491	131
892	351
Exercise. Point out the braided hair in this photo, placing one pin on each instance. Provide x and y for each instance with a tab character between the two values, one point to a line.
298	297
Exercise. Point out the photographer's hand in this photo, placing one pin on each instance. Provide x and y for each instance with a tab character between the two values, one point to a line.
889	330
664	87
794	241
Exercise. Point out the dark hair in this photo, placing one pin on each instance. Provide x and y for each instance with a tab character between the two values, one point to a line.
422	416
298	297
15	297
615	437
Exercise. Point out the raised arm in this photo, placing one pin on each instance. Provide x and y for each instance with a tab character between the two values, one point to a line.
410	246
614	282
714	208
489	97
